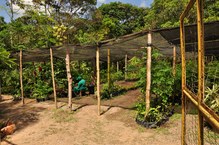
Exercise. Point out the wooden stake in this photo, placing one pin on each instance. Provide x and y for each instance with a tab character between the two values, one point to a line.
21	78
98	78
148	86
108	68
69	78
117	64
53	78
174	61
126	64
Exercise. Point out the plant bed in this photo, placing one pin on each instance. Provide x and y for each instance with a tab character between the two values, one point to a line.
156	123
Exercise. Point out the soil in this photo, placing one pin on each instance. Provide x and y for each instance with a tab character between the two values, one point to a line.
41	124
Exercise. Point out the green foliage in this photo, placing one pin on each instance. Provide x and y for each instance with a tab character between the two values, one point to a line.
212	97
212	73
134	65
141	110
162	88
117	76
10	81
164	13
211	9
5	59
122	18
154	114
41	90
59	34
107	93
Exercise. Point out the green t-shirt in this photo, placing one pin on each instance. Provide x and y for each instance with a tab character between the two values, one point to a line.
81	85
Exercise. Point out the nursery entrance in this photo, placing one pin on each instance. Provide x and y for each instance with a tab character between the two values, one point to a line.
200	71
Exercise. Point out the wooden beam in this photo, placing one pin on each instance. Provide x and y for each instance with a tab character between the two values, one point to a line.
98	78
21	78
53	78
187	9
148	85
69	78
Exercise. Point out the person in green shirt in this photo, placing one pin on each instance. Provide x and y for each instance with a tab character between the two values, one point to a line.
81	86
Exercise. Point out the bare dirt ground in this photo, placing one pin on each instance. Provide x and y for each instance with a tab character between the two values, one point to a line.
41	124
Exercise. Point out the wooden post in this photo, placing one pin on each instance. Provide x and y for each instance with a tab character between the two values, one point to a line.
98	78
108	69
126	64
182	47
201	71
174	61
117	66
69	78
21	78
53	78
0	88
148	85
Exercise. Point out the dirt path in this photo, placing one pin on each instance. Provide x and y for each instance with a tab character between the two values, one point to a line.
41	124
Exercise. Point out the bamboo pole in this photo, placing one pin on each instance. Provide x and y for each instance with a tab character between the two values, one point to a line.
174	61
182	45
0	89
69	78
53	78
126	64
148	85
21	78
200	25
98	78
210	116
108	68
117	66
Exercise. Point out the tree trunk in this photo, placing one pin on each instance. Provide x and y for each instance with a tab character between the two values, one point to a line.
69	78
53	78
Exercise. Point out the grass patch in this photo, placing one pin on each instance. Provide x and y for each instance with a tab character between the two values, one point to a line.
61	115
162	130
211	137
175	117
141	129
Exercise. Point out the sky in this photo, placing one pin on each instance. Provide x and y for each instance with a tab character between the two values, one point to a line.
140	3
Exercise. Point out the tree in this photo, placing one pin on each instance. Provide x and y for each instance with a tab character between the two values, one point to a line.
166	13
122	18
211	12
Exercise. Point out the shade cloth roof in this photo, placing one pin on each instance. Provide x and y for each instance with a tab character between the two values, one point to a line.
211	37
133	45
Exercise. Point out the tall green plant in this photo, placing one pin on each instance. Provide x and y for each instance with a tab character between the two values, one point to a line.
162	85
